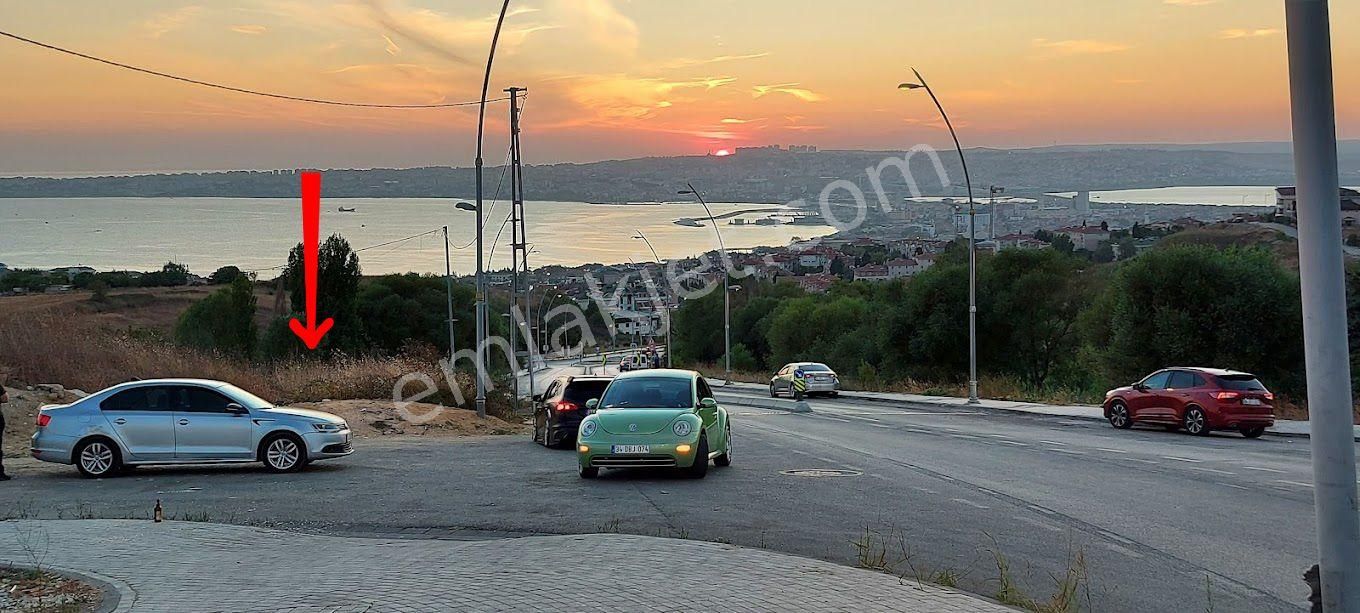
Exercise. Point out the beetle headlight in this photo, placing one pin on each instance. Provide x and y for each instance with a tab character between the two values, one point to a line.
682	428
588	429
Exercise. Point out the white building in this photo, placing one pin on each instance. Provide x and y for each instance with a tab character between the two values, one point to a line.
1287	204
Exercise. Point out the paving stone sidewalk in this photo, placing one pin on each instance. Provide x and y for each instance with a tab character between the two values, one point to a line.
189	567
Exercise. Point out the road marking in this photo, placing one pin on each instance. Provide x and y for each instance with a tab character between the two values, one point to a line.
918	430
827	460
1108	450
1298	483
1233	485
963	436
1042	524
835	418
1179	459
1015	443
1122	550
1067	451
1141	460
925	490
1264	470
1209	470
883	426
970	503
1052	443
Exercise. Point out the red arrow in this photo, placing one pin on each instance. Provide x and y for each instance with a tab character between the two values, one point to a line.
311	334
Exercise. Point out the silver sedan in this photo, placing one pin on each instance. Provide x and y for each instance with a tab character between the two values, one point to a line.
819	377
184	421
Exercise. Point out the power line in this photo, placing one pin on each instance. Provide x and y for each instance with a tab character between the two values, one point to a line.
359	250
240	90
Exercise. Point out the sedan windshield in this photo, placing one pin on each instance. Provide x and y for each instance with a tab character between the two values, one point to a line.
648	393
247	399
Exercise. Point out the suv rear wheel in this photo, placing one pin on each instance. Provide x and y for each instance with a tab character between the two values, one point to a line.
1196	422
98	458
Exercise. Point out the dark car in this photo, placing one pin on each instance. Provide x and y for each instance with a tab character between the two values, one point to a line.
558	411
1200	400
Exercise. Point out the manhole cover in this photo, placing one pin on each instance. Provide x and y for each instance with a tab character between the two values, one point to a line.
822	472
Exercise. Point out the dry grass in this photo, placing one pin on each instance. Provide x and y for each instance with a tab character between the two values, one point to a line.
47	348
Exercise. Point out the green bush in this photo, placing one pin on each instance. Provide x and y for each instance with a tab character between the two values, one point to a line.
222	322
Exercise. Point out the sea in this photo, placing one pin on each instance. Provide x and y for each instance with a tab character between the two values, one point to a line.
257	233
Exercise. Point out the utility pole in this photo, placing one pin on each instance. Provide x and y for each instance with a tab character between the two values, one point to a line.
1322	280
514	246
448	288
519	253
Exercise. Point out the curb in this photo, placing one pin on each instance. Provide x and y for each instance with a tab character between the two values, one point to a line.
791	406
117	597
921	404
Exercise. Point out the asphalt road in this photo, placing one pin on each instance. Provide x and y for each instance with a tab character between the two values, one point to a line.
1165	522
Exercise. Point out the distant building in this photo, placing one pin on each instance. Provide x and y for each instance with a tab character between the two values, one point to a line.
902	268
1017	241
872	272
817	284
4	270
72	272
1287	204
802	149
1087	238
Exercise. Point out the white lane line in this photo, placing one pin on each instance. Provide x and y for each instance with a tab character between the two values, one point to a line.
1122	550
925	490
883	426
1232	485
1264	470
824	416
1298	483
918	430
1180	459
963	436
1042	524
1209	470
1052	443
970	503
827	460
1066	451
1108	450
1142	461
1014	443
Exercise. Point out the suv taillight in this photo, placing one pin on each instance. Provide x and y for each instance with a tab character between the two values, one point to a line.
44	419
566	407
1221	396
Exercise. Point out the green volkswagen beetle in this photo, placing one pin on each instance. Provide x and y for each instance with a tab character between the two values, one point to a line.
655	418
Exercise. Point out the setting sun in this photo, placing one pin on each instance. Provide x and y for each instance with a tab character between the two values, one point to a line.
722	153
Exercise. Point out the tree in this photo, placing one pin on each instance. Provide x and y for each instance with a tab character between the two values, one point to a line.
223	322
1127	248
1197	305
170	275
1104	254
1063	243
1033	299
337	288
225	275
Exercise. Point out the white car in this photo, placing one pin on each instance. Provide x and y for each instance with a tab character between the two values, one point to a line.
819	377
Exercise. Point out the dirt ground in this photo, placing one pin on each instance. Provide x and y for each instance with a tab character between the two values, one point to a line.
156	308
31	591
367	418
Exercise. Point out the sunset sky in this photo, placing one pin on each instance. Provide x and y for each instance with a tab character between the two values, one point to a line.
627	78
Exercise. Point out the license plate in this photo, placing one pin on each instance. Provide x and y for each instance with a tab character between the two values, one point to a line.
632	449
1252	401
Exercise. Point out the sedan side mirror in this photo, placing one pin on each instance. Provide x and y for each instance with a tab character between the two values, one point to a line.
593	405
538	397
236	409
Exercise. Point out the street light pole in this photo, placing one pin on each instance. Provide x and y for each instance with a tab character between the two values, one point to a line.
448	289
481	276
668	301
1322	281
972	240
727	300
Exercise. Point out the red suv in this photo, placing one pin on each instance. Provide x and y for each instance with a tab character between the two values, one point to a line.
1198	399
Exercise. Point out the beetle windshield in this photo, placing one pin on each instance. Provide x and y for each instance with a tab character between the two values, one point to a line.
649	393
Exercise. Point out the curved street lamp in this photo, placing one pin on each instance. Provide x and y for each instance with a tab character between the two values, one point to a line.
656	257
727	294
972	239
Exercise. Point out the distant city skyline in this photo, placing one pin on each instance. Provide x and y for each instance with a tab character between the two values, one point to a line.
611	79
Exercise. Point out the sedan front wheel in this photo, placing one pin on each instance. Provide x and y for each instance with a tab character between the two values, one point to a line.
284	453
